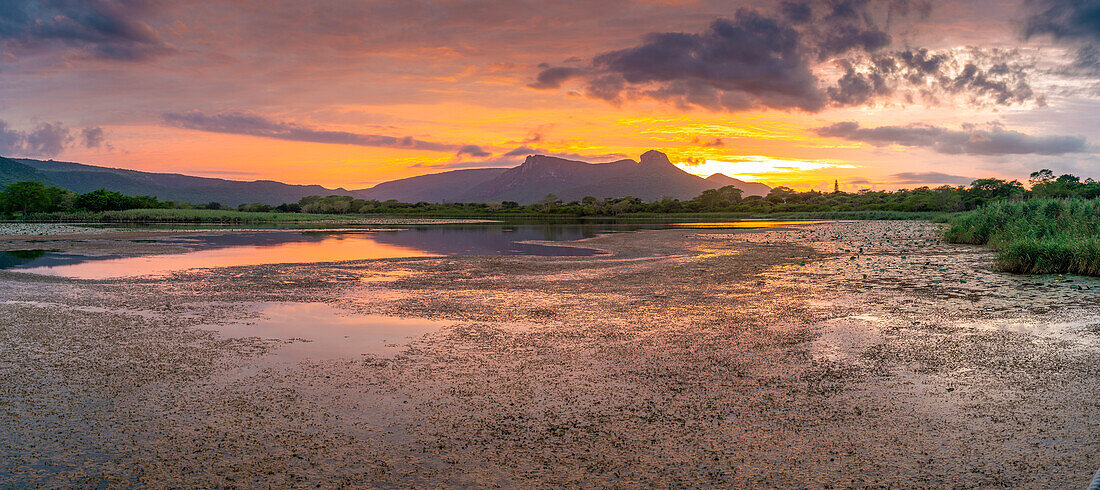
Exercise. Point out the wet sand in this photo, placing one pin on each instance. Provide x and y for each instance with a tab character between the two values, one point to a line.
842	354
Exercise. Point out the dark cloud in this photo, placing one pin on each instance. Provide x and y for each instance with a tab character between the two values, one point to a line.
521	151
256	125
796	12
553	77
473	150
973	76
716	142
930	178
971	140
1064	19
737	63
758	59
1072	22
92	137
103	29
46	140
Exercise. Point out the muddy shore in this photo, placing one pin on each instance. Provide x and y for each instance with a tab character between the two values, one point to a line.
842	354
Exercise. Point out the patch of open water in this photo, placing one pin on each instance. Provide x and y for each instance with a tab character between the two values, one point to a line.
280	246
320	331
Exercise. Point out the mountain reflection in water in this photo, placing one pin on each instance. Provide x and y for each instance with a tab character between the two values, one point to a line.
259	247
303	246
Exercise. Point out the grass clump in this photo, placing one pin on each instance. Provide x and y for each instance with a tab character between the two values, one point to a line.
1037	236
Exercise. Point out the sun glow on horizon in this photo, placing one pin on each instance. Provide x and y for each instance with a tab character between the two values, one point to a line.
758	168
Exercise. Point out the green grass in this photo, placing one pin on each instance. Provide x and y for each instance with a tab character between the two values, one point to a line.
1038	236
226	216
185	216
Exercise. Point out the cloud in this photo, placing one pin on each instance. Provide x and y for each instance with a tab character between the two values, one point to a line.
993	77
251	124
46	140
930	178
521	151
970	140
92	137
99	29
473	150
1072	22
756	59
716	142
554	77
737	63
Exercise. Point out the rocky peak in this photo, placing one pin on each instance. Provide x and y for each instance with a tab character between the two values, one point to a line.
654	158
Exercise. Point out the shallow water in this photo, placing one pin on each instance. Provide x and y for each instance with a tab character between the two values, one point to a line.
296	246
840	355
206	250
320	331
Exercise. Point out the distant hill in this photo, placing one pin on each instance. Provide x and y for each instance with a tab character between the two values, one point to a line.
441	187
12	171
78	177
749	188
540	175
651	178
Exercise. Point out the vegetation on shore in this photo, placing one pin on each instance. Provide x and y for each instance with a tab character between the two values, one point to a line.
32	200
1037	236
178	215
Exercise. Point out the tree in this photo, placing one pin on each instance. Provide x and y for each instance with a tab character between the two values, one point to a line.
549	202
103	200
1041	177
718	199
25	196
995	188
780	194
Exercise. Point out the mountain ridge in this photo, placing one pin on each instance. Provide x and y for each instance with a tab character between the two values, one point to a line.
650	178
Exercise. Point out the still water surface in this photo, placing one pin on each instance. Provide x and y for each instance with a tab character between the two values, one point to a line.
258	247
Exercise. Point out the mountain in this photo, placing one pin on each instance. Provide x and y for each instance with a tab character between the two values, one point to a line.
748	188
441	187
78	177
12	171
652	177
540	175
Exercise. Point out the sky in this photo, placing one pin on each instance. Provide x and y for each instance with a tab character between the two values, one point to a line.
879	94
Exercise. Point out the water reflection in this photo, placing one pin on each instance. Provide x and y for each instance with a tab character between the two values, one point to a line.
321	331
746	224
279	246
331	249
306	246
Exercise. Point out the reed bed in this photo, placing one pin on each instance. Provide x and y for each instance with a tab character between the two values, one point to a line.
1037	236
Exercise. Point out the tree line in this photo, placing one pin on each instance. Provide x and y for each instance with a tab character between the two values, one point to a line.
33	197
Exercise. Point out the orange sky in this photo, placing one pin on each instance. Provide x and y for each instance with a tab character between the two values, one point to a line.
349	95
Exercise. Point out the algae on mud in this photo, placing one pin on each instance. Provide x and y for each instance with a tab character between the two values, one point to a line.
842	354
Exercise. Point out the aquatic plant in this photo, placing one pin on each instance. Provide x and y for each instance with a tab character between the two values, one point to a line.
1037	236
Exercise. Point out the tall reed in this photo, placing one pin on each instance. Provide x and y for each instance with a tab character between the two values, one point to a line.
1037	236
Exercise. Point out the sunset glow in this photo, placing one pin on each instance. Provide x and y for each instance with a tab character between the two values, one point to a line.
352	94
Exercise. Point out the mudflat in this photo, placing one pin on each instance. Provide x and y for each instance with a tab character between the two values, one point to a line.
844	354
